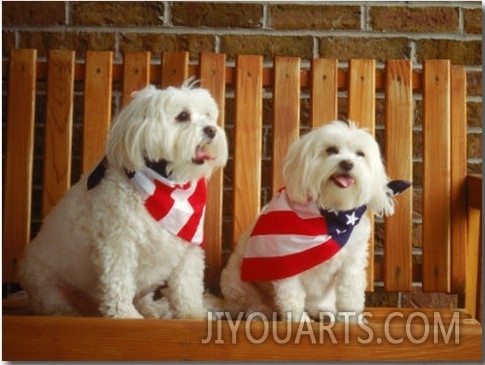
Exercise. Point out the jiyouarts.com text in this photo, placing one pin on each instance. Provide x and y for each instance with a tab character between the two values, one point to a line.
346	327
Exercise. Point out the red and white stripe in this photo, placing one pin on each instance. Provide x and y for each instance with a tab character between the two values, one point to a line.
180	209
286	240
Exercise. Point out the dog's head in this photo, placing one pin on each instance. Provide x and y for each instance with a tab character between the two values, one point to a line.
175	126
340	167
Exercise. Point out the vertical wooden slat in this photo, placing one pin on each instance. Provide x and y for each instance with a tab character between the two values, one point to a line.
472	256
19	159
247	142
58	128
213	78
136	73
175	68
97	106
399	163
286	112
458	176
362	107
436	175
324	91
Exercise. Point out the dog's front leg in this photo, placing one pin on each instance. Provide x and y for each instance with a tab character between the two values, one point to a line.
186	285
117	287
351	290
290	299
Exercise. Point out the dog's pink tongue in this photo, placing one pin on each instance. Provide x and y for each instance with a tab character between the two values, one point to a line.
201	155
344	181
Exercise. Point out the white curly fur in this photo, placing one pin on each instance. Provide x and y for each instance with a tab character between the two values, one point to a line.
99	250
337	285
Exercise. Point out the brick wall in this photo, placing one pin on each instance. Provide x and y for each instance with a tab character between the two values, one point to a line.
380	30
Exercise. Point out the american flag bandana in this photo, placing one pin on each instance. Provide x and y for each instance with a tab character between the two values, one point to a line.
290	238
180	209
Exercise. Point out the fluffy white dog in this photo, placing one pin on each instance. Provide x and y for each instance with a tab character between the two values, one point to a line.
134	224
307	251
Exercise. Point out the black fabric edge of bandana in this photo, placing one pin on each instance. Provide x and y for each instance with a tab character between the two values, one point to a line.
97	174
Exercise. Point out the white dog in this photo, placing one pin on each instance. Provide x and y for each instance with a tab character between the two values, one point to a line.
134	224
307	251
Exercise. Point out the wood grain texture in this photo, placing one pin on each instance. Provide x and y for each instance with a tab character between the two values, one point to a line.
324	91
31	337
286	113
97	106
212	77
18	159
247	142
473	256
436	175
175	68
136	73
58	128
399	165
82	339
362	110
458	176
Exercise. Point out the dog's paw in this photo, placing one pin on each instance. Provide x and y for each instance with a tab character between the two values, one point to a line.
195	313
150	308
296	316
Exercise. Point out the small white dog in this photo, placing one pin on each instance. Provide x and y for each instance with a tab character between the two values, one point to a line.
134	224
307	251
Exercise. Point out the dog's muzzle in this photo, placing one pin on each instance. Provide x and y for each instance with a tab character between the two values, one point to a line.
201	154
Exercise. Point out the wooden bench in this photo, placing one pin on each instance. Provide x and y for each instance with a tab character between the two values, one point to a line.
449	214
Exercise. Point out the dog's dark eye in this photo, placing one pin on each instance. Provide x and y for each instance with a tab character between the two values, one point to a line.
360	154
183	117
332	150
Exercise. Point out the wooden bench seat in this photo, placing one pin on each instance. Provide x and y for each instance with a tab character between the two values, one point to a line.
443	209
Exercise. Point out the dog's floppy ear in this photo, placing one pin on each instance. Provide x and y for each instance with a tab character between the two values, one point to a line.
127	132
296	170
381	203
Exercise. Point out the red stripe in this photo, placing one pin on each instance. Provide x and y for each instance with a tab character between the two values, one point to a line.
288	222
160	203
280	267
197	201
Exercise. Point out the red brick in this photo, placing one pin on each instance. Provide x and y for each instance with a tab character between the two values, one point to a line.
474	145
335	17
381	49
418	299
33	13
268	46
474	114
156	43
121	13
8	42
79	42
404	19
473	21
208	14
459	52
474	83
475	168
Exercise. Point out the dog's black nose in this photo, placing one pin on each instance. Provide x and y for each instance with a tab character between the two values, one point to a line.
346	165
210	131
